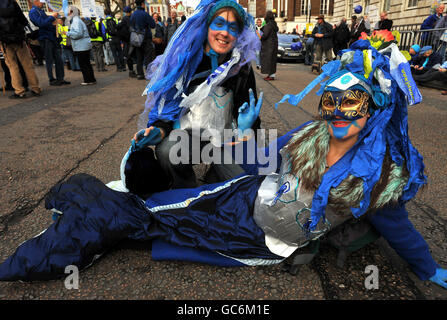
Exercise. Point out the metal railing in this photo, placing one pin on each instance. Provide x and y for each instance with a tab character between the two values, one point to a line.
410	35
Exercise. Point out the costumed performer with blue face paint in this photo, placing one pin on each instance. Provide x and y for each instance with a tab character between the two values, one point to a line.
355	162
202	84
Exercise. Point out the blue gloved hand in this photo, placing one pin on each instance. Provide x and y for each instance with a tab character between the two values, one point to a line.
440	277
153	137
249	112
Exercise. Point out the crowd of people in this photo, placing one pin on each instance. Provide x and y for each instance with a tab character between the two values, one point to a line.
354	162
75	42
327	40
427	58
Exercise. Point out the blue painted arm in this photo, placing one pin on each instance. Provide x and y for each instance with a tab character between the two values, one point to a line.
396	228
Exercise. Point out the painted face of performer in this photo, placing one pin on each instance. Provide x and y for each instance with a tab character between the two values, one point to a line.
345	112
223	32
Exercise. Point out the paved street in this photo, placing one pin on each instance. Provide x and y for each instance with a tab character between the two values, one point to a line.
73	129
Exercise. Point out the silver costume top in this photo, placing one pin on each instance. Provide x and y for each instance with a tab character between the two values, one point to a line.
211	116
282	208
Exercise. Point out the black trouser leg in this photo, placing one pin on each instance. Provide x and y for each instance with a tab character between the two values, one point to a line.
85	65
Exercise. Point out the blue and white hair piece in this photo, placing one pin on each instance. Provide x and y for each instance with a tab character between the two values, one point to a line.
171	73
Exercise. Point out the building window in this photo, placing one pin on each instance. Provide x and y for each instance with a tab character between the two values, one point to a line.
386	5
324	6
412	3
252	8
269	6
305	4
350	7
367	6
23	5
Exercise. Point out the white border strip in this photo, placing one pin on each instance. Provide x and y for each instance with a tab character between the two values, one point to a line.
186	203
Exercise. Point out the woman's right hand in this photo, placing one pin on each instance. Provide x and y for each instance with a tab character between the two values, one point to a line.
147	137
138	135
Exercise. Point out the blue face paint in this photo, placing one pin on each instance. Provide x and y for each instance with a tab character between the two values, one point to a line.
341	132
220	24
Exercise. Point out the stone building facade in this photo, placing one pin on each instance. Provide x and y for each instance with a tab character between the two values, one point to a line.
295	13
402	12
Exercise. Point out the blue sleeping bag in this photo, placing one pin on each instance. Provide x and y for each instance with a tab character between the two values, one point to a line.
215	228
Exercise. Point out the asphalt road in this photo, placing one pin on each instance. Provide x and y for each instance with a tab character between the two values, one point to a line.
74	129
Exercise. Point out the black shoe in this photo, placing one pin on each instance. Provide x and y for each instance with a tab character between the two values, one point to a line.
65	82
132	74
56	83
140	77
52	81
18	96
36	94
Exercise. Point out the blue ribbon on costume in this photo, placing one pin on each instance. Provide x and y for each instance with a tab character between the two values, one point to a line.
284	188
218	71
328	69
214	56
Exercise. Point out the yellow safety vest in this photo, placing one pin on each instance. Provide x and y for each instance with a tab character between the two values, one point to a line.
105	25
61	29
97	28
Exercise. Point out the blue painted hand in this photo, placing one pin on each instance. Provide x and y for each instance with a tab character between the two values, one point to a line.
440	277
144	139
249	112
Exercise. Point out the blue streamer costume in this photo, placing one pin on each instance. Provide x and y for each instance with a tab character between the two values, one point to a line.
228	223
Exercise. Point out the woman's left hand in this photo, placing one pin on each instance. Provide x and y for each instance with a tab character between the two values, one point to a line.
249	112
440	277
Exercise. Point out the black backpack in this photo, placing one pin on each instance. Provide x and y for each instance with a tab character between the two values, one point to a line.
348	237
92	31
123	30
111	27
10	30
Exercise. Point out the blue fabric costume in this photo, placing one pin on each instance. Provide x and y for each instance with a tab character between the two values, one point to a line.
217	223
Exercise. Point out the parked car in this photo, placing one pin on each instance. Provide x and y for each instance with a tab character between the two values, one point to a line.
286	50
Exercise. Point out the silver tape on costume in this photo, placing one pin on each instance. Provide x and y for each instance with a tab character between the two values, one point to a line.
211	116
282	208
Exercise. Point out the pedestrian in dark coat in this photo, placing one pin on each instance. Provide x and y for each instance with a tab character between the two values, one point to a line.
172	26
357	27
342	36
385	23
269	46
322	33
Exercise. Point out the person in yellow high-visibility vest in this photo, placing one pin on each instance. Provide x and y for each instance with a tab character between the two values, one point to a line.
67	51
97	47
110	29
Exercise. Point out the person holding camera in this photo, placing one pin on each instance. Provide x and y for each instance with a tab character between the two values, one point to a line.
15	50
47	40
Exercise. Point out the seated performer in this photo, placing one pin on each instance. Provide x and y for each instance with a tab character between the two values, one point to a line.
355	162
200	82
